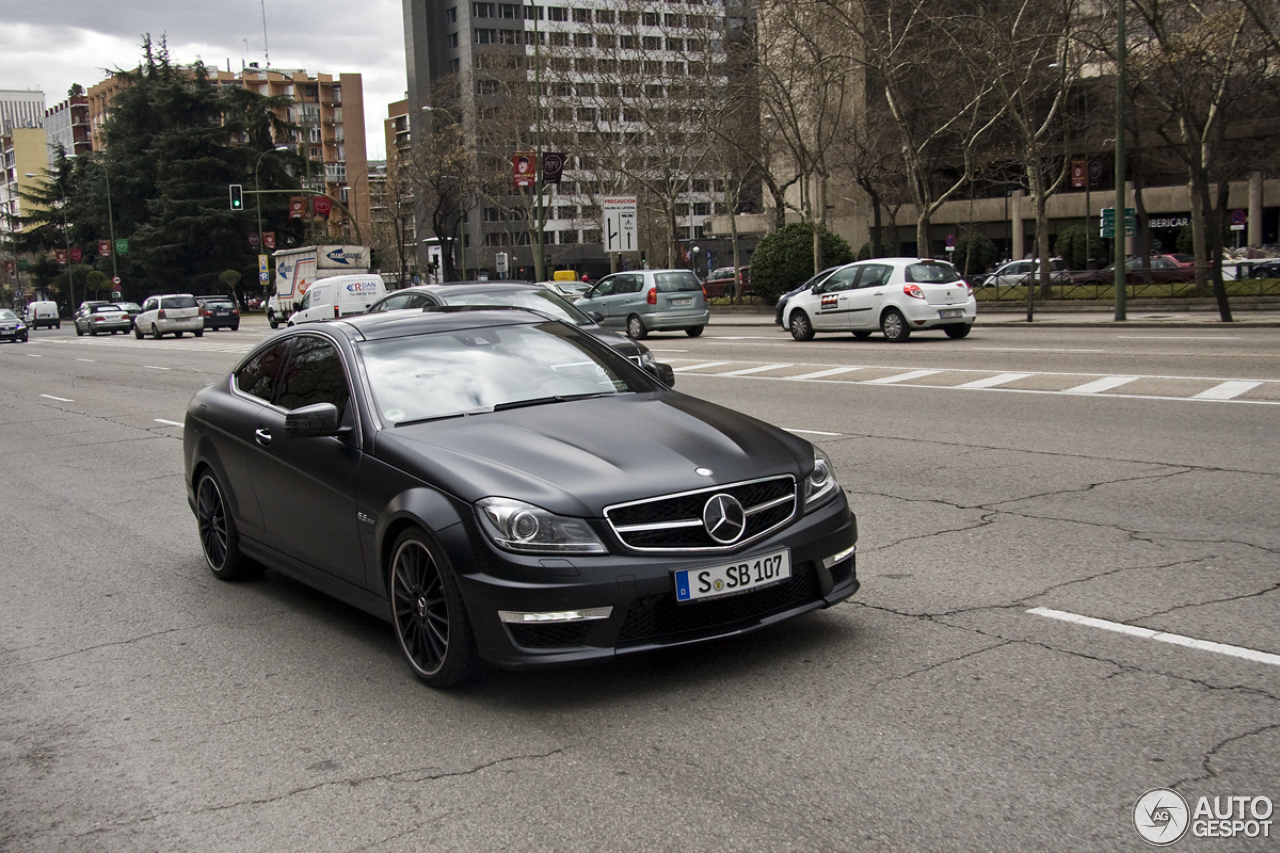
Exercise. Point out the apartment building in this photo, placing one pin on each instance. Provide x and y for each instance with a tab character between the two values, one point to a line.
67	125
601	71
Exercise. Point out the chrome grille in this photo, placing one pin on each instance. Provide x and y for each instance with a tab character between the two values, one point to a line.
674	522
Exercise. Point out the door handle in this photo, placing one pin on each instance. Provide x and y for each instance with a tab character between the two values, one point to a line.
262	435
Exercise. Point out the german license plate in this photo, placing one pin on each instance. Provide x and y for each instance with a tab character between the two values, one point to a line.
744	575
951	313
687	300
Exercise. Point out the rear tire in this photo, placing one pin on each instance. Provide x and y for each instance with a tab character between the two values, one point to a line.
79	333
801	328
635	328
137	333
693	331
958	332
198	334
894	326
219	539
431	623
155	331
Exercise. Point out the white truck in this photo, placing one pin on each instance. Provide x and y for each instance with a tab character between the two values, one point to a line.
297	268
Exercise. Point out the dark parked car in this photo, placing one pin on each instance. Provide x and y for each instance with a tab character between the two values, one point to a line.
13	327
1161	270
721	282
515	294
503	487
219	312
133	309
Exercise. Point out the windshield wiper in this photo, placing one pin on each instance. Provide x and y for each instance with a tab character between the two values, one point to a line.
559	398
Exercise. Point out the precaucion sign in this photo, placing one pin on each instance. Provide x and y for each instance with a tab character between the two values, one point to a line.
620	224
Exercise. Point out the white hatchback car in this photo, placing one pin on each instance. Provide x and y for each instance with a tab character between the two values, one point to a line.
172	313
895	295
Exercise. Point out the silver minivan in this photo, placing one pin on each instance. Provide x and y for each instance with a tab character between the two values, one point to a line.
644	301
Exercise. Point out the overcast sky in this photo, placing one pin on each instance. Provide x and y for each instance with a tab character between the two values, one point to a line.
50	44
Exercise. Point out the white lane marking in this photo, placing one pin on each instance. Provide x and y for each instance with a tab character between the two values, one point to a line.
91	361
1160	636
811	432
168	423
1097	386
820	374
59	399
746	371
1175	338
153	367
700	365
1226	391
31	355
1025	349
901	377
993	381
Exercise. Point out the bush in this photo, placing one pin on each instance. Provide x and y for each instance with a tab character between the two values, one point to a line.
974	253
784	258
1070	246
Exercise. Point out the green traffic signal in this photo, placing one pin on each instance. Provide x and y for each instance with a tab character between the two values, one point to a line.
237	196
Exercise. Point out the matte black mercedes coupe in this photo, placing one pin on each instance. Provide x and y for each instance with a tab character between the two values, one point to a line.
504	487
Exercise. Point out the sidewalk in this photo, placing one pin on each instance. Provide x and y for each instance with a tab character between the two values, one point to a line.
1138	313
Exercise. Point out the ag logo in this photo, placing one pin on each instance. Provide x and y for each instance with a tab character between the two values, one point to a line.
1161	816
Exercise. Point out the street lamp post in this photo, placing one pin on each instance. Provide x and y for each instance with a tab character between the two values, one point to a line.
1120	217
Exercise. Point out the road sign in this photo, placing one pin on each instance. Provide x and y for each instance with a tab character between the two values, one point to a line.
1109	222
502	263
1238	220
116	280
620	234
122	246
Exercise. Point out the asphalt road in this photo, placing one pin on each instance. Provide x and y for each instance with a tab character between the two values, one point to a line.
1071	596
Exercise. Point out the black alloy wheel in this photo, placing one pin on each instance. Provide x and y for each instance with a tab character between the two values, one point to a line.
801	328
894	326
218	537
428	614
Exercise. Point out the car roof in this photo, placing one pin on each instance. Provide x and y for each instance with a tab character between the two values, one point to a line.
396	324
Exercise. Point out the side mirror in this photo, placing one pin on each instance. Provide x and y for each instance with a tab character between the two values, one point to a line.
662	372
596	317
318	419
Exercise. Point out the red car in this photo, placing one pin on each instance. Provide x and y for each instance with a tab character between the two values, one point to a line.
721	283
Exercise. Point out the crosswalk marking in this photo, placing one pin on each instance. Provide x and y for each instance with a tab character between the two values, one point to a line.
822	374
993	381
700	366
1097	386
749	370
902	377
1227	390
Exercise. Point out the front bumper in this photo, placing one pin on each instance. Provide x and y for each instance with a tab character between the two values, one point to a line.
631	597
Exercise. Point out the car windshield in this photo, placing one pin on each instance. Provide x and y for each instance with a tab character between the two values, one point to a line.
676	282
476	371
539	300
932	272
6	314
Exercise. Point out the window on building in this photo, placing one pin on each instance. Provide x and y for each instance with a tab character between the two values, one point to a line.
510	37
455	66
587	114
510	11
652	43
533	13
560	39
562	113
567	238
451	14
652	67
675	69
650	19
676	45
486	36
653	90
605	16
673	21
484	10
581	16
585	64
558	13
487	87
702	208
627	42
591	235
607	42
583	40
453	40
629	19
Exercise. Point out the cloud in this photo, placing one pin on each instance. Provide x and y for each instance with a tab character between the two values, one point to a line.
326	36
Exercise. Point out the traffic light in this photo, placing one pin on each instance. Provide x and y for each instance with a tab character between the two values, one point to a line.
237	196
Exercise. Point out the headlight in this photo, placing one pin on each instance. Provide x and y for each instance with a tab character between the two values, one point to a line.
821	484
525	528
646	357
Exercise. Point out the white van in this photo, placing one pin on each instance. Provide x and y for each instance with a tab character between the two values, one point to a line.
43	314
338	296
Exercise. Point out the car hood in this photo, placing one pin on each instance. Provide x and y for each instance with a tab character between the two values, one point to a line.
575	458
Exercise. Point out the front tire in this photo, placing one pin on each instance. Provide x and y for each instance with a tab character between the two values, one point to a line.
635	328
219	539
271	318
801	327
958	332
894	326
693	331
199	333
430	621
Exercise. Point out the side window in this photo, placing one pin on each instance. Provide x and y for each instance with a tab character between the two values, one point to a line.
874	275
632	284
401	300
150	305
313	374
421	300
605	288
258	375
306	301
841	280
